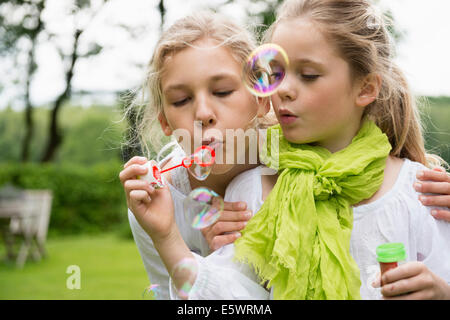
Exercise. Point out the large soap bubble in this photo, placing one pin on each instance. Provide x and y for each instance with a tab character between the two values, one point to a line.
205	205
265	69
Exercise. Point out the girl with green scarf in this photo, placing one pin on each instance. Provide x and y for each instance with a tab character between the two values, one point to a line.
331	155
346	119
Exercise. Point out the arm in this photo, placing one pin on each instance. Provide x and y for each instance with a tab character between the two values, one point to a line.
220	278
437	182
154	211
154	267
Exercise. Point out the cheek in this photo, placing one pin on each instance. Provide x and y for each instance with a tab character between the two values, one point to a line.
331	100
244	107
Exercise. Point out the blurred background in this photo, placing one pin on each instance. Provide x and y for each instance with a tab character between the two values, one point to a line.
65	66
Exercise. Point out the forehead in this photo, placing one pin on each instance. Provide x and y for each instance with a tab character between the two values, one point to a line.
303	39
205	59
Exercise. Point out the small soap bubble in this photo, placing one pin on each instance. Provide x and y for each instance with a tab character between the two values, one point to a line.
201	162
152	292
265	69
205	205
186	270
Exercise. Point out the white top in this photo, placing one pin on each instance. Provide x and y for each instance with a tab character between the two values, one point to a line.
194	239
398	216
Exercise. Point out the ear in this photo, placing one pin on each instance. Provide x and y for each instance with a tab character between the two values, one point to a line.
263	106
369	89
164	124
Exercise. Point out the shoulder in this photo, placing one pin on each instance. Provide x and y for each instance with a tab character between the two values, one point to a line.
245	181
246	187
398	192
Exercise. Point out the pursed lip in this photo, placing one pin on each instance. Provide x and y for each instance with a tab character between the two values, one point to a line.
212	142
286	116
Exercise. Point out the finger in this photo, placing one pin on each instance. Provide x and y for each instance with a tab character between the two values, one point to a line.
433	187
441	214
235	216
437	201
132	184
433	175
439	169
221	227
405	286
135	160
140	195
132	172
418	295
377	282
235	206
220	241
407	270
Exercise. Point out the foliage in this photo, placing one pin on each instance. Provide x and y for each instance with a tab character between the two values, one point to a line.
92	135
436	118
85	199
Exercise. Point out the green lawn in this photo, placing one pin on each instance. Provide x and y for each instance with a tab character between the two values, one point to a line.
110	268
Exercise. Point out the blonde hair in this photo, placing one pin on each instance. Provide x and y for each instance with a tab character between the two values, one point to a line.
183	34
362	37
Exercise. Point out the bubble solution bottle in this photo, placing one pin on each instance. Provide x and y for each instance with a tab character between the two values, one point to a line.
390	256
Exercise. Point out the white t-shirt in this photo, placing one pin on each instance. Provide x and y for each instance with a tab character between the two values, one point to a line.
194	239
398	216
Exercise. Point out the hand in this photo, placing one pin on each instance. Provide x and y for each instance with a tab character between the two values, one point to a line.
226	229
152	208
413	281
435	181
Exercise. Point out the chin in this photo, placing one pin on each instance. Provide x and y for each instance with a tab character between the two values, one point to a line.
298	138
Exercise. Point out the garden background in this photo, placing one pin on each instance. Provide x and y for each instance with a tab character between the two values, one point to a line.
73	144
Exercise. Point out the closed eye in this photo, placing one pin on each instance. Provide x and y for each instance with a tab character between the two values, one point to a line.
222	94
180	103
310	77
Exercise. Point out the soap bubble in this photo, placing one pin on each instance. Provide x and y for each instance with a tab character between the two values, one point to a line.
265	69
152	292
199	164
205	205
185	271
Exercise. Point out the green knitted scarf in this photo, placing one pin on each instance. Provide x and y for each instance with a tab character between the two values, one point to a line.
300	239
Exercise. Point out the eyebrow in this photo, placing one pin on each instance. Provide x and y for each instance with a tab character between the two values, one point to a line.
214	78
308	61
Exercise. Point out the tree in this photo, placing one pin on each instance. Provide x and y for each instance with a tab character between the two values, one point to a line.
54	133
29	27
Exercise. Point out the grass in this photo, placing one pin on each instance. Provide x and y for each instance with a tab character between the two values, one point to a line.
110	268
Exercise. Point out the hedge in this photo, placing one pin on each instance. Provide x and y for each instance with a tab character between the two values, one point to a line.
85	199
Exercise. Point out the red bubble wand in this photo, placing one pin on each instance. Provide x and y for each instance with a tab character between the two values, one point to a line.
154	174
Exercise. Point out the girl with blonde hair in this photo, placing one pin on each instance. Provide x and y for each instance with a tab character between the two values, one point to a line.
193	83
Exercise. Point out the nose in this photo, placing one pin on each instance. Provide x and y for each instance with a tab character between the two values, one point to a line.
287	91
204	111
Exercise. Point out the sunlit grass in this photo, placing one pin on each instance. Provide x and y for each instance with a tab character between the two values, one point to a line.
111	268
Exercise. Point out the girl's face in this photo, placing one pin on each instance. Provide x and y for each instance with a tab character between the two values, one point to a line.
317	102
202	89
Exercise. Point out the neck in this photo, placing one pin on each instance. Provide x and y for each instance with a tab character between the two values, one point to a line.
219	182
341	140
